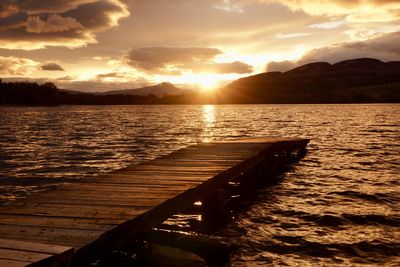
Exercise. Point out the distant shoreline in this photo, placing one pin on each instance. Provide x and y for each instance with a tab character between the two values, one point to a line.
191	104
357	81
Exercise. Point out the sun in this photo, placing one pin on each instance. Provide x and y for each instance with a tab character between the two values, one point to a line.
207	82
202	81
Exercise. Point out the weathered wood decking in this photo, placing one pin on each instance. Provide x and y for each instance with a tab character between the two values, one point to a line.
80	221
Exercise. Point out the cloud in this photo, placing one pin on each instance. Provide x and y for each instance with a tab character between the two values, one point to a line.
17	66
292	35
363	17
54	23
232	67
51	67
281	66
174	60
157	58
116	76
110	75
328	24
32	25
42	6
101	85
383	47
357	10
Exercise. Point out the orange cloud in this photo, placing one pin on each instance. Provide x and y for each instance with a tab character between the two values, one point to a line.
356	11
17	66
158	58
37	24
383	47
54	23
174	60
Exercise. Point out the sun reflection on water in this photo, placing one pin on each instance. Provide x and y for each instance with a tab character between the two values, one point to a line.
208	122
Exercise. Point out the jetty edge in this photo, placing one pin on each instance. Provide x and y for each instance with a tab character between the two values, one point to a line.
77	223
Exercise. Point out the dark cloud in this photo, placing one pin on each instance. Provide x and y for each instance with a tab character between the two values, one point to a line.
231	67
37	24
97	15
110	75
15	20
114	76
173	60
157	58
41	6
51	67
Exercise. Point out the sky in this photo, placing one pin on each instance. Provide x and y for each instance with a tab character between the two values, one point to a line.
100	45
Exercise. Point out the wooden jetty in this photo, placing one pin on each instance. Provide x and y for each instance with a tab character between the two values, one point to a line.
79	222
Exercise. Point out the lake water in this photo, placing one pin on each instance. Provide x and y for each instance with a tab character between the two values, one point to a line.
339	206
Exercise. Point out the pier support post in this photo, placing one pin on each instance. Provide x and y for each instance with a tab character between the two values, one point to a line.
214	211
302	152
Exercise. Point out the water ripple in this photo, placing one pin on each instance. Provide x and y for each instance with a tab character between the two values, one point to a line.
338	207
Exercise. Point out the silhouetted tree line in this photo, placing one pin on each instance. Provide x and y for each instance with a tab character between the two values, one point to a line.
28	93
47	94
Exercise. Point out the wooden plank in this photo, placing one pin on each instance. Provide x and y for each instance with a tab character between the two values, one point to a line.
102	202
79	211
58	221
108	195
13	263
17	255
117	187
22	253
57	236
33	247
153	182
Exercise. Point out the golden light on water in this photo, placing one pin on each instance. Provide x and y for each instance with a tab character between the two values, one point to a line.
208	115
208	122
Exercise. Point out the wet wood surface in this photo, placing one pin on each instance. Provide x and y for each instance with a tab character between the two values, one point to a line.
80	221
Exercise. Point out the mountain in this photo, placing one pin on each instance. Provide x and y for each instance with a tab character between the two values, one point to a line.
157	90
360	80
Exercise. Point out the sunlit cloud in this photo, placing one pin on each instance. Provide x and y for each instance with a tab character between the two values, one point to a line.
38	24
372	13
363	10
384	47
292	35
17	66
328	24
54	23
228	6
